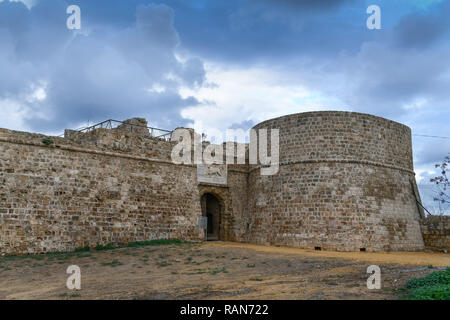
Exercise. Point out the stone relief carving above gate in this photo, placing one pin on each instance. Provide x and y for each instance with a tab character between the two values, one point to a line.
212	173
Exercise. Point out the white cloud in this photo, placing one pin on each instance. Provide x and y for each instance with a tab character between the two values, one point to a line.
13	115
28	3
236	95
419	103
38	92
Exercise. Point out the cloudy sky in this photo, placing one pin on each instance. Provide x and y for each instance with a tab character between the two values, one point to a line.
227	63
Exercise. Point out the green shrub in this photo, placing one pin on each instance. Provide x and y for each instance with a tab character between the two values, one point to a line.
83	249
434	278
435	286
439	292
47	141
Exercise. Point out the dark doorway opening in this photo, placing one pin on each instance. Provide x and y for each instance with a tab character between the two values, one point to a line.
211	209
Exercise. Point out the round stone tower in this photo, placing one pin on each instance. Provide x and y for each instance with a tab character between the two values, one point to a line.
345	183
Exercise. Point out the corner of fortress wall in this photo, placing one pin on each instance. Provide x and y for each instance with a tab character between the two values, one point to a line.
345	182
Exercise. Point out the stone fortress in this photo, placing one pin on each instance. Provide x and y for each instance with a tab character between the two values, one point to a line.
345	183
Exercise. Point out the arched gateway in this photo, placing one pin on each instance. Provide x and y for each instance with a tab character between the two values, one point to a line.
211	209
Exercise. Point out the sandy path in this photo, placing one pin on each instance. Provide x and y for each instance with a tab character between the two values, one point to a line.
412	258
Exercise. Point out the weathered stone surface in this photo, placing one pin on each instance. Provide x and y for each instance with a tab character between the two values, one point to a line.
436	232
345	182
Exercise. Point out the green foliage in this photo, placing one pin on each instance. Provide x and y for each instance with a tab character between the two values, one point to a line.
216	271
434	278
83	249
439	292
163	264
113	263
256	279
157	242
435	286
47	141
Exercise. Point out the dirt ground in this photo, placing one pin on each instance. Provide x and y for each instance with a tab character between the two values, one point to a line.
215	270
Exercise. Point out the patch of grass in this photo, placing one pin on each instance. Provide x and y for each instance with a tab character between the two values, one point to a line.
38	257
113	263
83	249
163	264
72	295
251	265
216	271
435	286
65	255
156	242
201	262
201	271
83	255
13	257
256	279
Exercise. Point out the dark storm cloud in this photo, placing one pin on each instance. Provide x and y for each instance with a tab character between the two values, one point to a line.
95	75
299	4
419	30
126	48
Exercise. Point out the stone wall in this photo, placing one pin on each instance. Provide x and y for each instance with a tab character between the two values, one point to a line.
57	195
436	233
345	183
104	186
